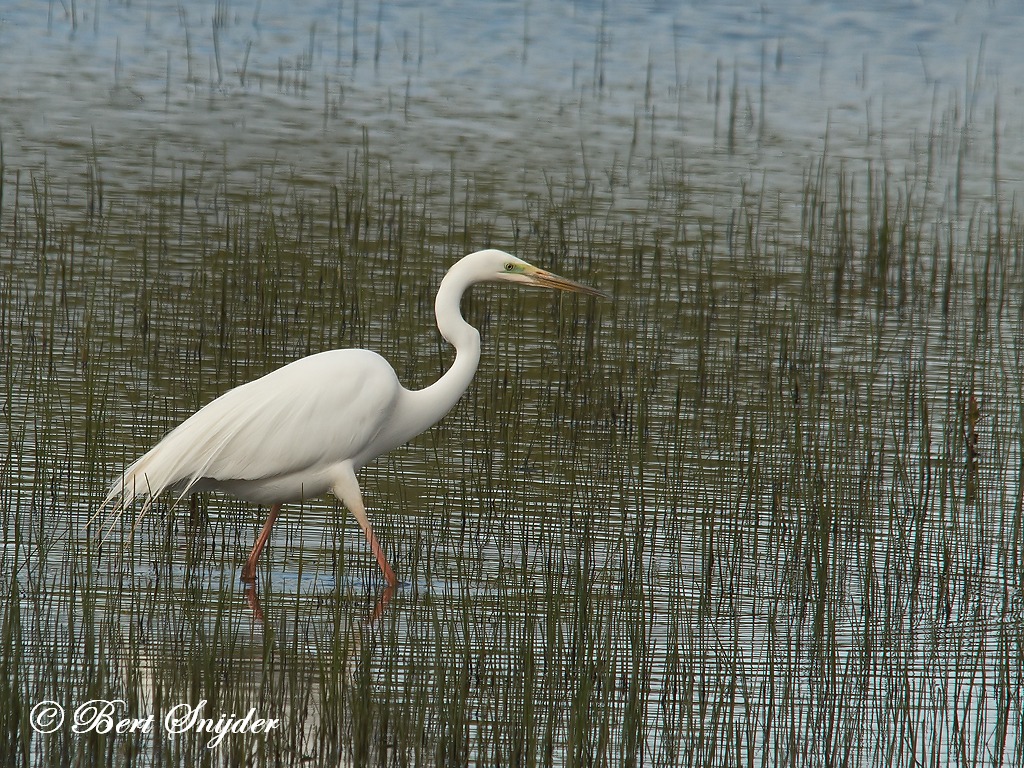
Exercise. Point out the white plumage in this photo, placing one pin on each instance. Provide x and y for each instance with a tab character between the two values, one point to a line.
274	439
306	428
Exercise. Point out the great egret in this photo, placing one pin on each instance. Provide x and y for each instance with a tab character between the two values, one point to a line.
306	428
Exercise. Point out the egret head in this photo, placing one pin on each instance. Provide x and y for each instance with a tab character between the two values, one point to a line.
498	266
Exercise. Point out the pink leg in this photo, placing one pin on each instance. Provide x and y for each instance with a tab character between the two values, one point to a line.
347	489
382	604
252	597
389	575
249	569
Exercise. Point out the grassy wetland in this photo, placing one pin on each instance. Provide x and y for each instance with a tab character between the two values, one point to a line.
764	507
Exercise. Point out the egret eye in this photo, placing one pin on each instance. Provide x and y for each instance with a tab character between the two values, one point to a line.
509	266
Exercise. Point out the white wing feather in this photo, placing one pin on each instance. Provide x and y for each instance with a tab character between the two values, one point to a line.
306	416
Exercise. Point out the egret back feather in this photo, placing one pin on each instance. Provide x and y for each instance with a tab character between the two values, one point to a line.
309	412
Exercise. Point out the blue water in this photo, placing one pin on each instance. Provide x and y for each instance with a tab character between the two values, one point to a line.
499	88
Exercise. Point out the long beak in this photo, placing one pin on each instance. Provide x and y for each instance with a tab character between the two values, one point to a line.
547	280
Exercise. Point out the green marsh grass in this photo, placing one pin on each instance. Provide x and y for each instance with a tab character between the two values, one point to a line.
764	508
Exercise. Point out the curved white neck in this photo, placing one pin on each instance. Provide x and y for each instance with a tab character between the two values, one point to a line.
461	335
425	407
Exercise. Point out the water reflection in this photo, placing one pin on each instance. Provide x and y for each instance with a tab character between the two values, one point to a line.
252	599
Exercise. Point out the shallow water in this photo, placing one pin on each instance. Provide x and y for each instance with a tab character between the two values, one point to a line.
502	92
742	512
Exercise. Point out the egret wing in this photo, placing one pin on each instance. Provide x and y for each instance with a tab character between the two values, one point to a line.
311	413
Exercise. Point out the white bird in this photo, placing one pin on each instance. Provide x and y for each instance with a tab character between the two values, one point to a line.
307	427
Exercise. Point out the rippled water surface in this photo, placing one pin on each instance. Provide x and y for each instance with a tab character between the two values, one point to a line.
763	506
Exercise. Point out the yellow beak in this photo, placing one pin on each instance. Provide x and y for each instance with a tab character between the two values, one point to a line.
544	278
